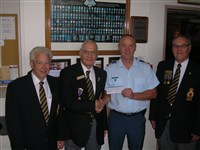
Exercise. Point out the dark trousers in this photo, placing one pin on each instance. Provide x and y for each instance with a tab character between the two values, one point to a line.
92	141
132	126
165	142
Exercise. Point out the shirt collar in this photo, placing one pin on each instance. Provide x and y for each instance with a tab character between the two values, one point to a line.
36	80
182	64
120	64
86	69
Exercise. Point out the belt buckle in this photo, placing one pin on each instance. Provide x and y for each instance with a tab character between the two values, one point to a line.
128	114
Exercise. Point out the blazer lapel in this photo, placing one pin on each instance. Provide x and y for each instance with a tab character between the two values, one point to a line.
166	76
80	76
80	79
98	80
32	89
186	76
54	97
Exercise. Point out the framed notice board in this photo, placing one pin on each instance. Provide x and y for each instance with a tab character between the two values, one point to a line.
9	39
72	22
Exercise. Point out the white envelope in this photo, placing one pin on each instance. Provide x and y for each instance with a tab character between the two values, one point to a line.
113	90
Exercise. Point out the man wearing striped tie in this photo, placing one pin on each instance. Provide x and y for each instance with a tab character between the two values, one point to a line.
175	113
82	84
32	105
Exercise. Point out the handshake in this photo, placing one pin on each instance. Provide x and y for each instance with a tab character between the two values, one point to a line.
101	102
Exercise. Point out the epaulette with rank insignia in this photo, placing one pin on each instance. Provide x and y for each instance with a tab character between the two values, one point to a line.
141	60
145	62
112	62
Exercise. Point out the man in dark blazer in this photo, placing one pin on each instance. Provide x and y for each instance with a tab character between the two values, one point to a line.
177	125
86	119
26	125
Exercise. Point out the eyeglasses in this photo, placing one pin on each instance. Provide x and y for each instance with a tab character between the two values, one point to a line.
40	63
180	46
88	53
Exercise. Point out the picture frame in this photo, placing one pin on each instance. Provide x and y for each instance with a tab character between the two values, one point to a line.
113	59
139	28
194	2
99	62
66	48
57	65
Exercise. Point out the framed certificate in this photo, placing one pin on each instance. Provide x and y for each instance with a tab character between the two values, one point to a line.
139	28
57	65
196	2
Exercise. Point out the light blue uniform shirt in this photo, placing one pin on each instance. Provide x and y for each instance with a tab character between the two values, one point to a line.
139	77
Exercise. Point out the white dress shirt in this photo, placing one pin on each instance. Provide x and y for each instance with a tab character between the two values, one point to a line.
36	82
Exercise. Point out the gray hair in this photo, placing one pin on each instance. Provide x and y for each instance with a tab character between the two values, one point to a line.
41	50
182	36
88	41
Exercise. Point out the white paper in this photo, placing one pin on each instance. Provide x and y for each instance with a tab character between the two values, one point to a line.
55	73
7	29
113	90
14	72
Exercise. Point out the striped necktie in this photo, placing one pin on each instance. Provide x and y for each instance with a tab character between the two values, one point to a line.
43	102
173	86
89	86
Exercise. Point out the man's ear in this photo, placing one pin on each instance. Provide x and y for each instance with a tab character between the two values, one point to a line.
31	64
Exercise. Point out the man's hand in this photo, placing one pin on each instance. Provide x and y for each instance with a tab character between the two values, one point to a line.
60	144
145	95
99	105
127	93
106	98
153	124
195	138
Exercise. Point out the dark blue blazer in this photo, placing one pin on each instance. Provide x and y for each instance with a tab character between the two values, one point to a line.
78	107
185	113
24	118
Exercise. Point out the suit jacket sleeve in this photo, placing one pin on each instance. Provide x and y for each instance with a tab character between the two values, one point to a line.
153	106
13	125
196	130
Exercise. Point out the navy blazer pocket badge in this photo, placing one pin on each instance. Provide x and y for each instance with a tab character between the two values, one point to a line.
80	91
190	94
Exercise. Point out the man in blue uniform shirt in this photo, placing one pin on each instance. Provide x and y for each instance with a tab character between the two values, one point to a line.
130	85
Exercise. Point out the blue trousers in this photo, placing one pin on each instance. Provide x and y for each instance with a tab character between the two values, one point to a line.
131	126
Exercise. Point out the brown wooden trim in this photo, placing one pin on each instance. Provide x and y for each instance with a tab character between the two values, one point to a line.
128	3
72	53
48	24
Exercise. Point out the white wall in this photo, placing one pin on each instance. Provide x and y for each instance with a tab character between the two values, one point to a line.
32	33
6	7
33	28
